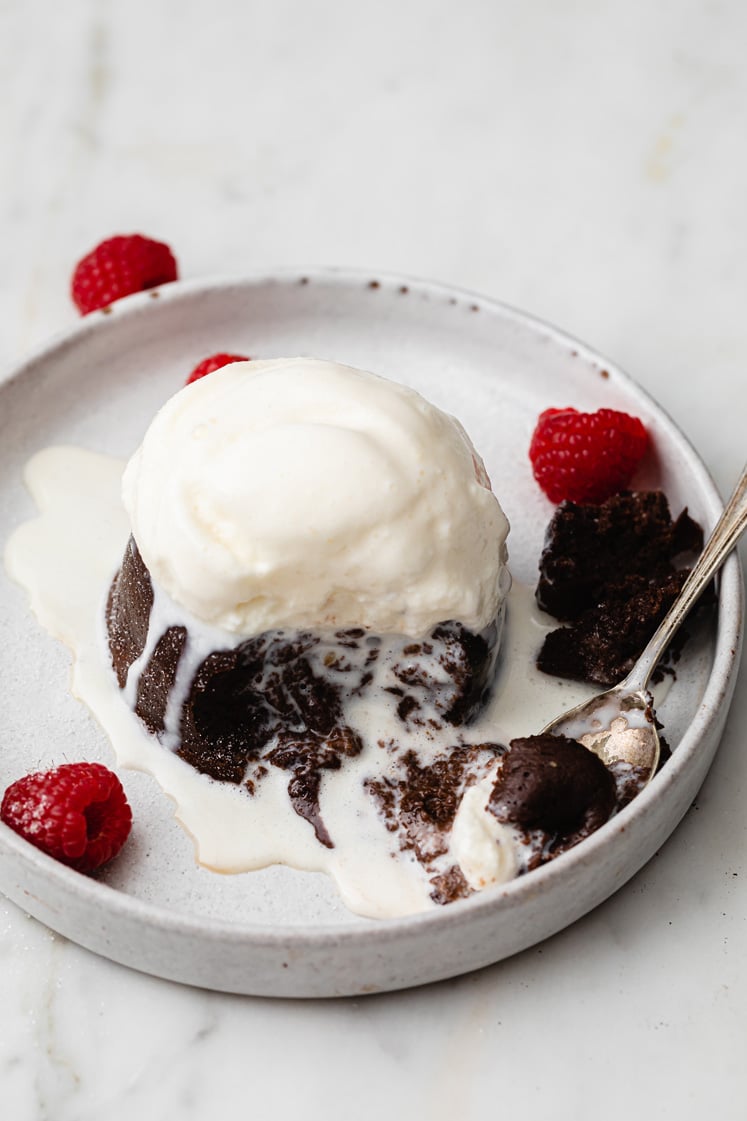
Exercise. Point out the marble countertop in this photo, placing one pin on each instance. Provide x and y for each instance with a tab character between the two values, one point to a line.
582	160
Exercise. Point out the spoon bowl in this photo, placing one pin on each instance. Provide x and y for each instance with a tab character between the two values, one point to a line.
619	726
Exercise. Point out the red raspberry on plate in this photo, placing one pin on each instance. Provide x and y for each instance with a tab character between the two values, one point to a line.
586	457
118	267
77	813
214	362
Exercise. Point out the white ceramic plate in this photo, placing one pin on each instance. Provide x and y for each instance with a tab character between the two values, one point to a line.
281	932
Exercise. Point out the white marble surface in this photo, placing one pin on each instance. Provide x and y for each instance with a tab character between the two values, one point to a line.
583	159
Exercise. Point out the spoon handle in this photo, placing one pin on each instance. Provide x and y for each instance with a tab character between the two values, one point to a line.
726	533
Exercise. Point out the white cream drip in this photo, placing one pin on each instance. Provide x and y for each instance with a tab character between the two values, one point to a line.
66	559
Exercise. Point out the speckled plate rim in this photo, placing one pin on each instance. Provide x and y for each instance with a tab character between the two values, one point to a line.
706	726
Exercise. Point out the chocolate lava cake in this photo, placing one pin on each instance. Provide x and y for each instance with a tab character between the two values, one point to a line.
279	698
282	699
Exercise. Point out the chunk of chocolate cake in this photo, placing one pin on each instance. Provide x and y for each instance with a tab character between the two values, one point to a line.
553	784
612	572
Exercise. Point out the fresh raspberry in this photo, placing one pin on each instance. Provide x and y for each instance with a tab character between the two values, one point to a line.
119	266
214	362
78	813
586	457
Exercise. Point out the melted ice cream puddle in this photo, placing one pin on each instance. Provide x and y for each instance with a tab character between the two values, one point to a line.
66	559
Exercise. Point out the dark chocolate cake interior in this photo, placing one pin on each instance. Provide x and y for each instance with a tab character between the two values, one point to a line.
611	572
279	699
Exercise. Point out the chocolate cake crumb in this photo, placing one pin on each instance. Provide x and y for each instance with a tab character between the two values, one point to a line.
406	707
419	801
450	885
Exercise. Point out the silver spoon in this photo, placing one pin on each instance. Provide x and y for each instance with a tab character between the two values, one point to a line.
619	725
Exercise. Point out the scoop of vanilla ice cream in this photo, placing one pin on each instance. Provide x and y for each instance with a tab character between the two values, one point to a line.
299	493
